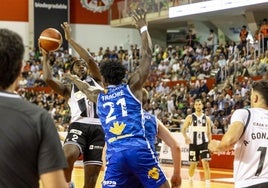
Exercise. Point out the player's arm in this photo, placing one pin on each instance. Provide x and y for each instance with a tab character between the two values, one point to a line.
209	134
54	179
83	53
139	77
55	84
91	92
165	135
229	138
186	124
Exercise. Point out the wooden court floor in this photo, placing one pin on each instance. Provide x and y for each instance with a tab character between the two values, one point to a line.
220	178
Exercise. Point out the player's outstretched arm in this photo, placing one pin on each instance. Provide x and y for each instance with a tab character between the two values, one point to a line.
91	92
83	53
139	77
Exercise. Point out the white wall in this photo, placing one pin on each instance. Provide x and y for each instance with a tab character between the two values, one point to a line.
22	28
95	36
89	36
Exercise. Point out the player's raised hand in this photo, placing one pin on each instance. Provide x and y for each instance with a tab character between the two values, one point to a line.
139	17
67	30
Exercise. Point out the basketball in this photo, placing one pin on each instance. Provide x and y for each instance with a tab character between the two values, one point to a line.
50	39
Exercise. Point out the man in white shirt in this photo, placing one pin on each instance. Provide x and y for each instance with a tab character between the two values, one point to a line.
247	133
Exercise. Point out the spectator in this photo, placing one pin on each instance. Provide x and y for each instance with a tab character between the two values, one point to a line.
243	36
264	34
211	40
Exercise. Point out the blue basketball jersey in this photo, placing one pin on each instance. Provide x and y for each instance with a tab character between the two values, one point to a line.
121	116
151	129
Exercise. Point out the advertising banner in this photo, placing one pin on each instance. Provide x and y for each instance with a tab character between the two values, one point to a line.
48	13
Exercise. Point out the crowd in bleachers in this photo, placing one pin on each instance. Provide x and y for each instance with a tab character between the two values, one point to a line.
188	66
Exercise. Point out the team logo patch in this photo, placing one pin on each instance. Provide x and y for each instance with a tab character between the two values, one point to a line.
154	173
117	129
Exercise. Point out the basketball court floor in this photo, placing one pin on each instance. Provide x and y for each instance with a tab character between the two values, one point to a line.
220	178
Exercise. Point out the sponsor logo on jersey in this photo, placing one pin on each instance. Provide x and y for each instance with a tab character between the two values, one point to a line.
109	183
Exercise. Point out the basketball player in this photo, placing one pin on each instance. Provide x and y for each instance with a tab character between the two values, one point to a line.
199	126
128	152
120	110
30	145
153	128
85	134
248	133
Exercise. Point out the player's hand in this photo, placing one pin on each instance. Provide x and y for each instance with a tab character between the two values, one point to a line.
70	77
44	52
67	30
213	145
175	181
139	16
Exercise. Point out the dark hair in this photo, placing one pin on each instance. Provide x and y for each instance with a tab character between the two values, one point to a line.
74	62
112	72
261	87
11	56
198	100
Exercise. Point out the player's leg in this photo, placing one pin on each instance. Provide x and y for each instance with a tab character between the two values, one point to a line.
93	155
73	147
205	158
71	153
193	159
206	168
91	174
192	168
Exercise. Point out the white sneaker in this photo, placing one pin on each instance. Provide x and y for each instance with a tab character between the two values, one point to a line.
207	183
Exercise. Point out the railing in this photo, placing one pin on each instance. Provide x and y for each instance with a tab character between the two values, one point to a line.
124	7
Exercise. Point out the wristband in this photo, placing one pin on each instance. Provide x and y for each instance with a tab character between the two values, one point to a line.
143	28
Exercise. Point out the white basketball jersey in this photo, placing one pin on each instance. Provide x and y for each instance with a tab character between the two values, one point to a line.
198	129
82	109
251	161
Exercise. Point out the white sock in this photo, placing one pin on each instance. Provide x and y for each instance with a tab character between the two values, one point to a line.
207	183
